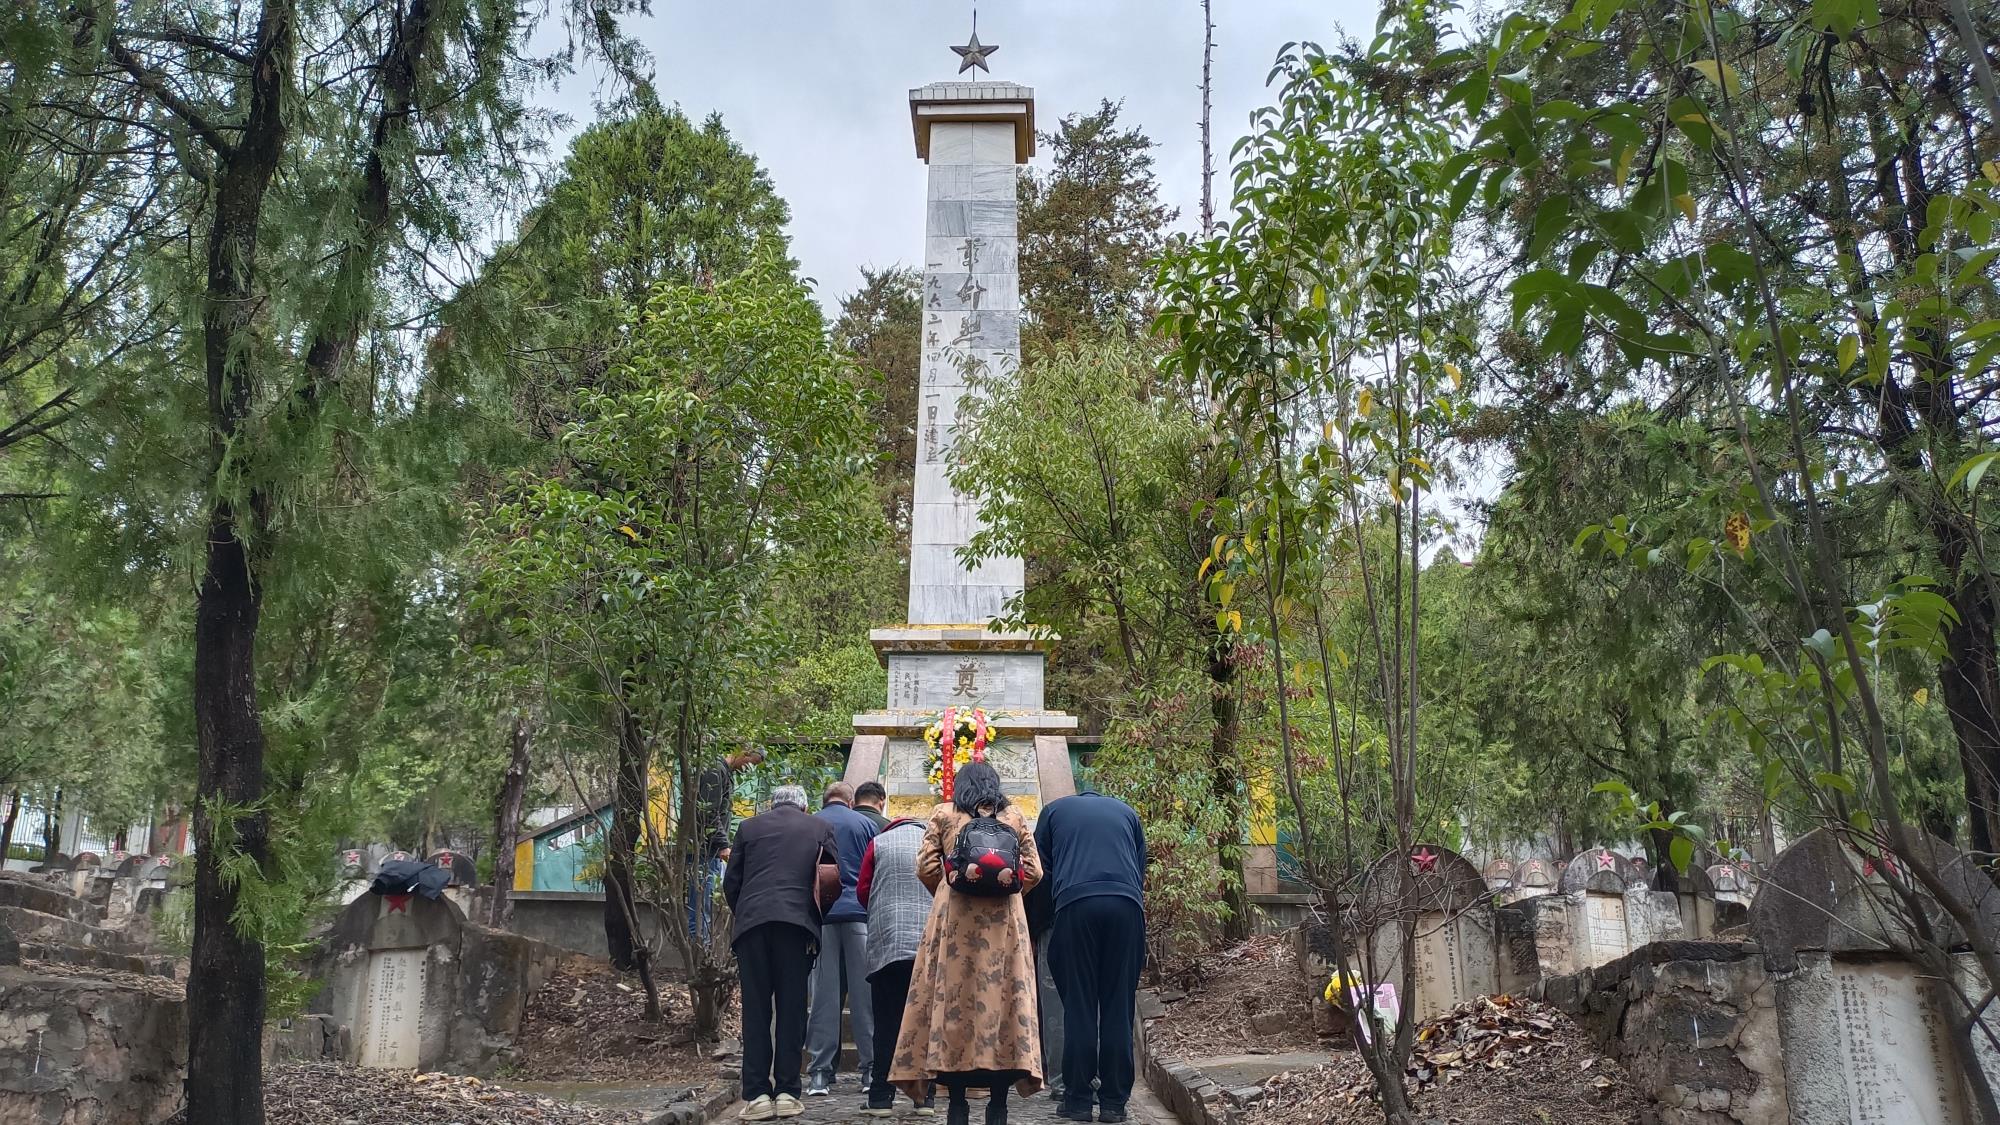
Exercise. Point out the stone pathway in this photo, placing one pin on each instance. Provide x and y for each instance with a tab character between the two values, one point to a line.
844	1106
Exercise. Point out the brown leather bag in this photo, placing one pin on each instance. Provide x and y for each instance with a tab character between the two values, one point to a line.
827	887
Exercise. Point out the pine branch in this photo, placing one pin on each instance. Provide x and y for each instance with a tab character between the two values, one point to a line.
156	85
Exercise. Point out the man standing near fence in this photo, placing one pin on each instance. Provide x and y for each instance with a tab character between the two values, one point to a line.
714	804
1095	855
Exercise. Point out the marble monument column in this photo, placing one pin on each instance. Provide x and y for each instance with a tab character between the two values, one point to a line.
973	136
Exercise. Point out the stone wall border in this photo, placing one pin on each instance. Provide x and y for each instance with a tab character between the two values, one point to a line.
1191	1096
692	1112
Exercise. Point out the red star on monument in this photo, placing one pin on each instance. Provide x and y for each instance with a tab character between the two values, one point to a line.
1606	861
1423	860
398	904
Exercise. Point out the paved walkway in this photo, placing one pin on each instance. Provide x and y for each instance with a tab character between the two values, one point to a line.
844	1106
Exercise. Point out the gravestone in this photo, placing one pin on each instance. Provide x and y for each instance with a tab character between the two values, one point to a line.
60	865
1451	910
1863	1024
1537	877
1694	900
1732	883
1499	876
419	987
1612	911
464	873
973	136
463	888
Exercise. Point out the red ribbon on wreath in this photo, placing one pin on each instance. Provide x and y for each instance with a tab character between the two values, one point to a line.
948	750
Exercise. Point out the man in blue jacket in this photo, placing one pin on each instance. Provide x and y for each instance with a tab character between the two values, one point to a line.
842	972
1094	861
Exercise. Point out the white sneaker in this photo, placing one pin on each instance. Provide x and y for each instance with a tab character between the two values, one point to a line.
787	1106
818	1088
760	1109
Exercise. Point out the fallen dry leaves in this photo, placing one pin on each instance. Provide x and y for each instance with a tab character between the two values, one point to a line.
587	1024
1492	1061
311	1093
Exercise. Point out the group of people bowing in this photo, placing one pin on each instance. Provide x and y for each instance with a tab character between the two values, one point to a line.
970	952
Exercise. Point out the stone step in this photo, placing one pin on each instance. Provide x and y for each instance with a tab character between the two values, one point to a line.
33	894
33	925
84	956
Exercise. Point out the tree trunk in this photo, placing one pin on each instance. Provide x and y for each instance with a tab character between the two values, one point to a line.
507	824
1227	782
225	993
623	936
7	829
52	828
1970	679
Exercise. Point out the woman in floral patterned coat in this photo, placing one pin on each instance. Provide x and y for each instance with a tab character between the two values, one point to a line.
971	1020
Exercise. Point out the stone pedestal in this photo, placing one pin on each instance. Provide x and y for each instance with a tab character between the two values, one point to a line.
973	135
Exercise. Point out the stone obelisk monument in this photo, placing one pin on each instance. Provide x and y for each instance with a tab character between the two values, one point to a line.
974	135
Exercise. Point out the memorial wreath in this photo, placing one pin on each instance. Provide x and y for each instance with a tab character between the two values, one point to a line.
957	738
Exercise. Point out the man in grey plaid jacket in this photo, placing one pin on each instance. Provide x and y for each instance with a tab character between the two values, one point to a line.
898	906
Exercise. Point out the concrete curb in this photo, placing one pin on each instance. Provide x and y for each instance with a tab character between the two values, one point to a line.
697	1112
1186	1092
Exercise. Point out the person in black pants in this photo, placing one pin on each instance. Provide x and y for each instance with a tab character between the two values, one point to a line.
1094	854
898	906
771	886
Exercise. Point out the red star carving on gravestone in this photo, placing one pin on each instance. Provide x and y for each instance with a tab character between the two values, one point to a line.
1606	861
1869	866
398	904
1423	861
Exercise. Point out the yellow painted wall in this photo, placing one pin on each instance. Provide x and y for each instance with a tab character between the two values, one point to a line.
524	865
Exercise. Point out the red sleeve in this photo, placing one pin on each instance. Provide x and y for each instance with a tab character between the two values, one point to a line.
867	875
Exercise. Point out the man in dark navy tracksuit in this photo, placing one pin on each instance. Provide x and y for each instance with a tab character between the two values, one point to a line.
1094	860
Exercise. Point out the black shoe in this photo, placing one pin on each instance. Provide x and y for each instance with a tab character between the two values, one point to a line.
996	1112
1073	1112
1110	1115
958	1112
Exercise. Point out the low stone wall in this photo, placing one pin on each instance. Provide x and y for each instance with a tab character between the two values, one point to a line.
574	921
81	1050
1696	1025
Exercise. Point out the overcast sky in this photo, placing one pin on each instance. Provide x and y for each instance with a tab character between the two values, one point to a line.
819	91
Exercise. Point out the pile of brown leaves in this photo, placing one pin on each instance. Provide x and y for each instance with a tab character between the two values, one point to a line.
1495	1061
1250	995
329	1094
588	1024
1490	1033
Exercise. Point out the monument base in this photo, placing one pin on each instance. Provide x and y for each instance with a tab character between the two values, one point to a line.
934	667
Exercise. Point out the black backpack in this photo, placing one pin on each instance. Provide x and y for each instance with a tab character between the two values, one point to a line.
986	859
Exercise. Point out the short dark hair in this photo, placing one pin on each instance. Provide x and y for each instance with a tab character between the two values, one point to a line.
871	792
977	784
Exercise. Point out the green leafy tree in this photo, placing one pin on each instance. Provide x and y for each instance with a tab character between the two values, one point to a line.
311	156
1100	472
1322	324
726	452
1091	229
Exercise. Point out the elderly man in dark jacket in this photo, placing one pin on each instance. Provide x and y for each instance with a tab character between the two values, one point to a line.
770	885
843	951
